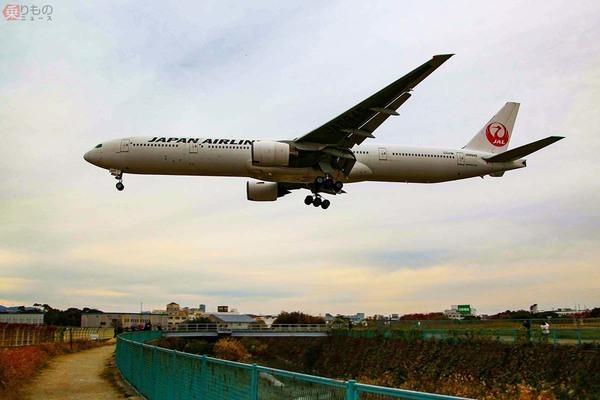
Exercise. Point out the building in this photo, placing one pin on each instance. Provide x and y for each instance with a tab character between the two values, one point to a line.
233	321
122	320
178	314
460	311
175	313
534	309
356	319
569	311
20	318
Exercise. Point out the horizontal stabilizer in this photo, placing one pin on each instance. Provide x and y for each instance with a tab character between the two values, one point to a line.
520	152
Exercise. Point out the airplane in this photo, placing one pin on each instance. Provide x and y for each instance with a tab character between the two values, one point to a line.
327	158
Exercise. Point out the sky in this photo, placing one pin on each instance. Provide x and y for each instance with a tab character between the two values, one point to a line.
277	70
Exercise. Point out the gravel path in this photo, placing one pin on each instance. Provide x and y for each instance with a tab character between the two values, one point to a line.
75	376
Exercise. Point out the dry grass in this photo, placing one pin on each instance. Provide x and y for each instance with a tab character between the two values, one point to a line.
19	365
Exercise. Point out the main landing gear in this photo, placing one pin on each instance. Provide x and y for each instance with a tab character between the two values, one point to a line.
325	184
317	201
118	176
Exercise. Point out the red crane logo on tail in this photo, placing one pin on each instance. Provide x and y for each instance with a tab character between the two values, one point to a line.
497	134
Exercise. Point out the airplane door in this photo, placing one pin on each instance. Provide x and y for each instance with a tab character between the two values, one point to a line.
125	145
460	158
382	154
193	147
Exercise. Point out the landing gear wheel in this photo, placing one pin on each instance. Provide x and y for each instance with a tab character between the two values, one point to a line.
120	186
325	204
319	180
338	186
308	200
328	183
317	202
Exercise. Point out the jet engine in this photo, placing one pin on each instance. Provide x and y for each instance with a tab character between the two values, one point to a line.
262	191
270	154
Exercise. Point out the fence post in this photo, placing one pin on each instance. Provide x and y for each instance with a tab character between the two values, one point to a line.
173	374
351	393
132	357
203	379
578	336
254	383
154	372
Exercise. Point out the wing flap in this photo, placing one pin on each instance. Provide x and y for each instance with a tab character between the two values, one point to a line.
382	115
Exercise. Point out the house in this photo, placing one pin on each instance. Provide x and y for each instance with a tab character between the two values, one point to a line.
232	320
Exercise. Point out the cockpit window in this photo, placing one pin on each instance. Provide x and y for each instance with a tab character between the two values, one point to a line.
97	147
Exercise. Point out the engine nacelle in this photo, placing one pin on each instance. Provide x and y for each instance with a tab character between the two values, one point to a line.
262	191
270	154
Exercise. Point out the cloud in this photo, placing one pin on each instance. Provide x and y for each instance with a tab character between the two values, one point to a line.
267	70
13	259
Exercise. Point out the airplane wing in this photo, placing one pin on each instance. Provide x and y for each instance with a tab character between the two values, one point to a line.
359	122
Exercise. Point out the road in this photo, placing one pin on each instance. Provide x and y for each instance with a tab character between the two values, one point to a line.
77	376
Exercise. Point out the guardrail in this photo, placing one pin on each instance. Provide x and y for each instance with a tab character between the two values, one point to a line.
168	374
251	328
579	336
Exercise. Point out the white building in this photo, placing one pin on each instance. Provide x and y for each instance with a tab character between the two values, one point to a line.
19	318
460	311
123	320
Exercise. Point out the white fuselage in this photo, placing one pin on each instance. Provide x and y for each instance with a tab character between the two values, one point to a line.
227	157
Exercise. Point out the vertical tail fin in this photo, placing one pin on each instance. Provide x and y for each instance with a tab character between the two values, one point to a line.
496	134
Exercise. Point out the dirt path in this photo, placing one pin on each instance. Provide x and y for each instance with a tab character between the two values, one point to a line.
76	377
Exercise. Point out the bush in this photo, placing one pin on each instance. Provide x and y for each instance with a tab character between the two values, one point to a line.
255	347
232	350
471	367
199	347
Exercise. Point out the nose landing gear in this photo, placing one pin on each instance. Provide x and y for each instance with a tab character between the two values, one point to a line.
118	174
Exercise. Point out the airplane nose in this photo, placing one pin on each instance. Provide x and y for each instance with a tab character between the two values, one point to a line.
87	157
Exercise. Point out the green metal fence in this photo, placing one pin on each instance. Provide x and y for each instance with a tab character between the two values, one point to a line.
168	374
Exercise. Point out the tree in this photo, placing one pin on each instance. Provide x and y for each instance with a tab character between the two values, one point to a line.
296	318
424	317
69	317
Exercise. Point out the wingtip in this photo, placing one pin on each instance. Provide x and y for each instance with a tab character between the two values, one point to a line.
443	55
